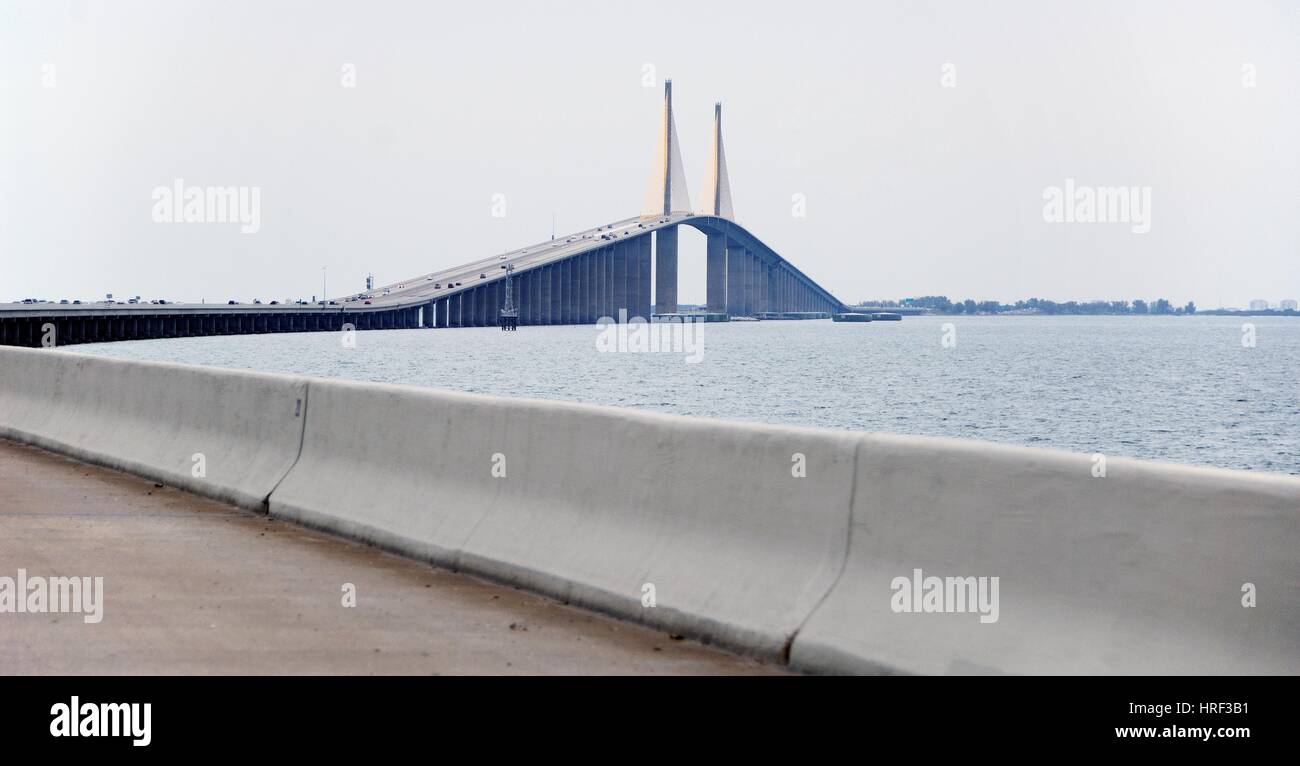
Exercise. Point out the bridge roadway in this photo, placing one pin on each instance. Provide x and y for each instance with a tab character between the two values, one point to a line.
597	272
192	586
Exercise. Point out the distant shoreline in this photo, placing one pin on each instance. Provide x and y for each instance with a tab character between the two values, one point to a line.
940	305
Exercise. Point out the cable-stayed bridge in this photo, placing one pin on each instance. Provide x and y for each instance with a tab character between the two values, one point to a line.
577	278
600	272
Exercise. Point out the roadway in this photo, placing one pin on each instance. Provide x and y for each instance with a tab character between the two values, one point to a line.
418	290
192	586
438	284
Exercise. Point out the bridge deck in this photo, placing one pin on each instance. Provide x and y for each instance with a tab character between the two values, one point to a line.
193	586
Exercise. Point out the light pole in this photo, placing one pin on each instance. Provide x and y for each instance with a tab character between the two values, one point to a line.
324	294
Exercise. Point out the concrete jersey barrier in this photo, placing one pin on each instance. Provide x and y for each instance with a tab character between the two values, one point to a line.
596	506
767	539
1138	572
224	434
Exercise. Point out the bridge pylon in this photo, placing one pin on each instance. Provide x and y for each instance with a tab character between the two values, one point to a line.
716	198
666	195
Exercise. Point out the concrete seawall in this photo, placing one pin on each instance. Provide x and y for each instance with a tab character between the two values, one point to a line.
781	542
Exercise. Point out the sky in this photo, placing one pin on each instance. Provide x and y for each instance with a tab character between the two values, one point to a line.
384	138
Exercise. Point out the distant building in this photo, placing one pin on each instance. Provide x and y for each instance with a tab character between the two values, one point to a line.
1258	305
1290	305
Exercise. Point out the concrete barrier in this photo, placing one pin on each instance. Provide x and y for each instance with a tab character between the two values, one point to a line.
154	419
588	504
1141	571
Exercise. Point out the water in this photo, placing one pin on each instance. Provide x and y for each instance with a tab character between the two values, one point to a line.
1180	389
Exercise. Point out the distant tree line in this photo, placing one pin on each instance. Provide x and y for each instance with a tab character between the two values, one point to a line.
940	304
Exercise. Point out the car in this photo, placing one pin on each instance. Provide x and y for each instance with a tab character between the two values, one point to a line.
482	275
503	265
503	257
162	302
133	301
63	302
257	301
428	279
458	284
275	303
367	303
232	303
437	285
76	303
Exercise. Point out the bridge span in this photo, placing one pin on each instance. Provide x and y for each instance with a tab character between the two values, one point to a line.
573	279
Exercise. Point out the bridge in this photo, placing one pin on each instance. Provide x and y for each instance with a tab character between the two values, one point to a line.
573	279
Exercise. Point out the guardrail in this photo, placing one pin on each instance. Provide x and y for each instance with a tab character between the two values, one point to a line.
797	545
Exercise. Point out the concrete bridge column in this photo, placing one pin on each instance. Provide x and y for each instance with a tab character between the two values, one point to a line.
732	305
530	309
630	276
581	295
644	306
666	271
619	280
568	283
580	287
735	279
751	283
747	283
535	296
603	291
524	285
591	310
537	292
716	287
561	292
544	295
557	293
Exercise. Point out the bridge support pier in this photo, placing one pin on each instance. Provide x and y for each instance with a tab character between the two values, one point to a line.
620	261
716	300
643	249
736	268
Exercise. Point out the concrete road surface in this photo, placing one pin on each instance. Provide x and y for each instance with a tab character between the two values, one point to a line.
193	586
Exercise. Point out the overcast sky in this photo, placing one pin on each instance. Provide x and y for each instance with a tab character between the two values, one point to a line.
911	187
